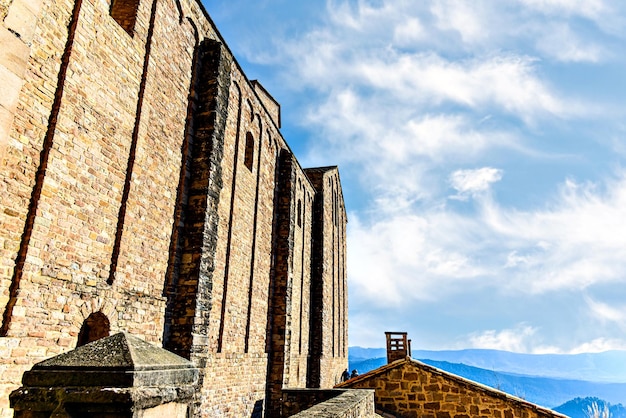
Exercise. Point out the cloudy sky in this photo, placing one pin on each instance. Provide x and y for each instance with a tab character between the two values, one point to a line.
482	151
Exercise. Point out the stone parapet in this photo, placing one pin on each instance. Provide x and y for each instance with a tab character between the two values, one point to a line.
328	403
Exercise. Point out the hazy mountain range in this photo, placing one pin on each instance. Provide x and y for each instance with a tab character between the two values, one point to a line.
609	366
548	380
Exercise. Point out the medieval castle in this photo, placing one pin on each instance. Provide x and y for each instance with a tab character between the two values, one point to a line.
146	188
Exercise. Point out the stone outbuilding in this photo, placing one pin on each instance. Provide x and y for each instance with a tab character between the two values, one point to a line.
408	388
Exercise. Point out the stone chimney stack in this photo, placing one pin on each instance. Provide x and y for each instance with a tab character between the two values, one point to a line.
398	346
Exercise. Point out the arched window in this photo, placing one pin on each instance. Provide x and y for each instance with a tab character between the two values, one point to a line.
299	212
125	14
96	326
249	157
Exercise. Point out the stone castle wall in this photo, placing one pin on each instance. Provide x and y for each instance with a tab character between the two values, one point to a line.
329	335
139	174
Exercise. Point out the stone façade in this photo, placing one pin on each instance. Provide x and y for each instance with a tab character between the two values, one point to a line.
146	185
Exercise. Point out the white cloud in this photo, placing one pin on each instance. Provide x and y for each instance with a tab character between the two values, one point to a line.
518	339
524	338
599	345
408	32
406	258
605	312
607	16
466	18
558	40
393	148
505	81
513	259
381	52
582	236
592	9
579	242
472	182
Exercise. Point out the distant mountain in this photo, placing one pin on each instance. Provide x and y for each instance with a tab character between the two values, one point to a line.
365	365
578	407
548	392
361	353
609	366
544	391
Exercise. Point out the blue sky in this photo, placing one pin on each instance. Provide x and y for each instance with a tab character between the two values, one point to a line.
482	151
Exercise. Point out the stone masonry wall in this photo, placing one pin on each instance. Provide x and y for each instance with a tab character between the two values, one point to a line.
139	167
270	104
302	221
63	171
407	388
238	315
290	289
329	334
188	279
95	148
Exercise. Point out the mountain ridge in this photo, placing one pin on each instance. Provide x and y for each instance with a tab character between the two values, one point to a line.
608	366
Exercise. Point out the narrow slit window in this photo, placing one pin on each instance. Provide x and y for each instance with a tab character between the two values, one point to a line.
299	212
125	14
249	157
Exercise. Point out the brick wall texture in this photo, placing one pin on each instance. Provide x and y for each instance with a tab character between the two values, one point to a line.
410	389
144	177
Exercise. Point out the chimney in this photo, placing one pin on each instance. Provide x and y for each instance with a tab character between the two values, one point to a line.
398	346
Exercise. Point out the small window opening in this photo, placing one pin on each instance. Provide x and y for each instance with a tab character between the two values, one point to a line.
299	212
125	14
96	326
249	151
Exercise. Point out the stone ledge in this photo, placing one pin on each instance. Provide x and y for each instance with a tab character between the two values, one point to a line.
48	399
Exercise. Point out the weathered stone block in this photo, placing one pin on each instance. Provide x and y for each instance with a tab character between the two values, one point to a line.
115	375
22	17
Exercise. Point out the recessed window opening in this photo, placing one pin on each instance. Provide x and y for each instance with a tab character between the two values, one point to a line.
249	151
299	212
125	14
96	326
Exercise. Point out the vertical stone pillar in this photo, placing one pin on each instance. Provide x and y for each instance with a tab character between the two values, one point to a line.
280	303
117	376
